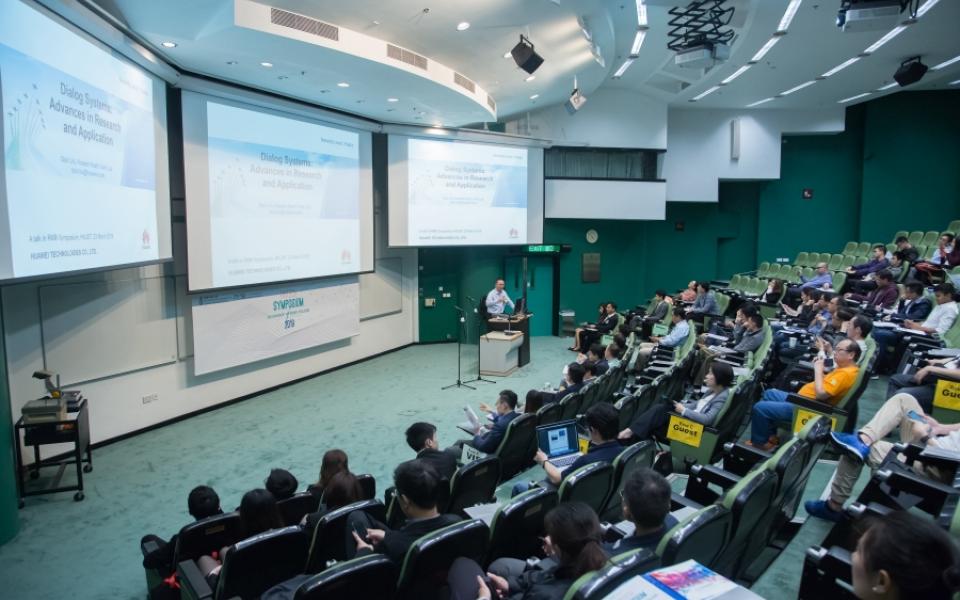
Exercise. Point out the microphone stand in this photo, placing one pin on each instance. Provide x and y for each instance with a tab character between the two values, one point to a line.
479	377
461	330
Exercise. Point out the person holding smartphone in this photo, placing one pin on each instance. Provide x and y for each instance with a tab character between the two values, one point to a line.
868	446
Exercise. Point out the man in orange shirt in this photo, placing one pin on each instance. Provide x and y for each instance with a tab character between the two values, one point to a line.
828	388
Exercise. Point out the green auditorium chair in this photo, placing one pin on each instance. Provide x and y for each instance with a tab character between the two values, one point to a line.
898	235
748	498
368	484
371	576
735	283
930	238
891	248
700	536
763	269
424	570
570	406
326	540
802	259
850	248
589	484
607	582
864	248
293	509
954	227
775	270
518	446
517	526
839	280
625	464
915	237
808	272
250	567
472	484
835	261
548	414
630	406
814	259
848	261
203	537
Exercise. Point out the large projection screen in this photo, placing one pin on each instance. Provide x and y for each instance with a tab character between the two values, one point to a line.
273	196
84	181
459	193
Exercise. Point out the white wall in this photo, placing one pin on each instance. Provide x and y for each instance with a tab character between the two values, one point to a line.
591	199
611	118
698	146
116	405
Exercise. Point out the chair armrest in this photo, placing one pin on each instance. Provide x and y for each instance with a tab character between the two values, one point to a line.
834	561
739	458
192	582
857	510
677	502
814	405
713	475
932	493
944	352
149	546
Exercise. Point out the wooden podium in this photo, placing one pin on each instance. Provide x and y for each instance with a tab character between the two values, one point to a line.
519	323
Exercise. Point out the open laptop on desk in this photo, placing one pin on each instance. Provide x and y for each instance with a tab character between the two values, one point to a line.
560	443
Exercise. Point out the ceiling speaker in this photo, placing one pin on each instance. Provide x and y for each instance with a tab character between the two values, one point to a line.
525	57
911	71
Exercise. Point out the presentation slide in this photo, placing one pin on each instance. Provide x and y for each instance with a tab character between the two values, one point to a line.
457	193
231	329
84	152
271	197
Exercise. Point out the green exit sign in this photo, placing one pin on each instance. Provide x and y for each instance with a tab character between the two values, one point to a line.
544	248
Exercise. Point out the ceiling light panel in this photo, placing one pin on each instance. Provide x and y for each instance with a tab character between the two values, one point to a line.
945	64
706	93
886	38
637	42
841	66
623	68
763	51
735	74
798	88
852	98
641	13
926	7
759	102
889	86
788	15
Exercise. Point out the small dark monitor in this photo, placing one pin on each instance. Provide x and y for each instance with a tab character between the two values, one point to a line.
520	307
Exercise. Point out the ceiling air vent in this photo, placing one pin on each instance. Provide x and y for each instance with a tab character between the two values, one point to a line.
464	82
404	55
285	18
491	103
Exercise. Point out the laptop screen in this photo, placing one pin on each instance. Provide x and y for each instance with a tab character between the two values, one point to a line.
558	439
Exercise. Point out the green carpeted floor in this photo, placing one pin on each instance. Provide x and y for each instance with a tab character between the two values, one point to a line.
90	549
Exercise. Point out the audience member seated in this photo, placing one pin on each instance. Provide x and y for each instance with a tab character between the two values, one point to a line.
946	256
645	324
602	310
869	446
591	335
258	513
612	354
417	491
829	388
922	384
690	293
595	355
806	310
904	557
281	483
646	504
677	335
905	248
898	266
504	410
819	314
573	548
572	383
704	410
748	339
343	488
859	276
913	305
202	502
533	402
422	439
705	303
774	292
601	420
590	372
939	320
883	296
333	462
822	279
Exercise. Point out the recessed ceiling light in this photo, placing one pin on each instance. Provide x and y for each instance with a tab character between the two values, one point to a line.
788	16
735	74
759	102
535	96
852	98
623	68
766	48
637	42
797	89
343	84
841	66
530	78
706	93
889	86
641	13
926	6
393	100
266	64
168	44
945	64
957	82
463	26
886	38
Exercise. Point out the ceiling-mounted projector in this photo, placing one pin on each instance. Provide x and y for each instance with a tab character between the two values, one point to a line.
869	15
702	56
575	102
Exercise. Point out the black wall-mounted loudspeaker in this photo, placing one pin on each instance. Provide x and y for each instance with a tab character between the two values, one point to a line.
911	71
525	57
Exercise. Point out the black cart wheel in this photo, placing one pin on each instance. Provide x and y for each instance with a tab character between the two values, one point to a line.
78	497
87	468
